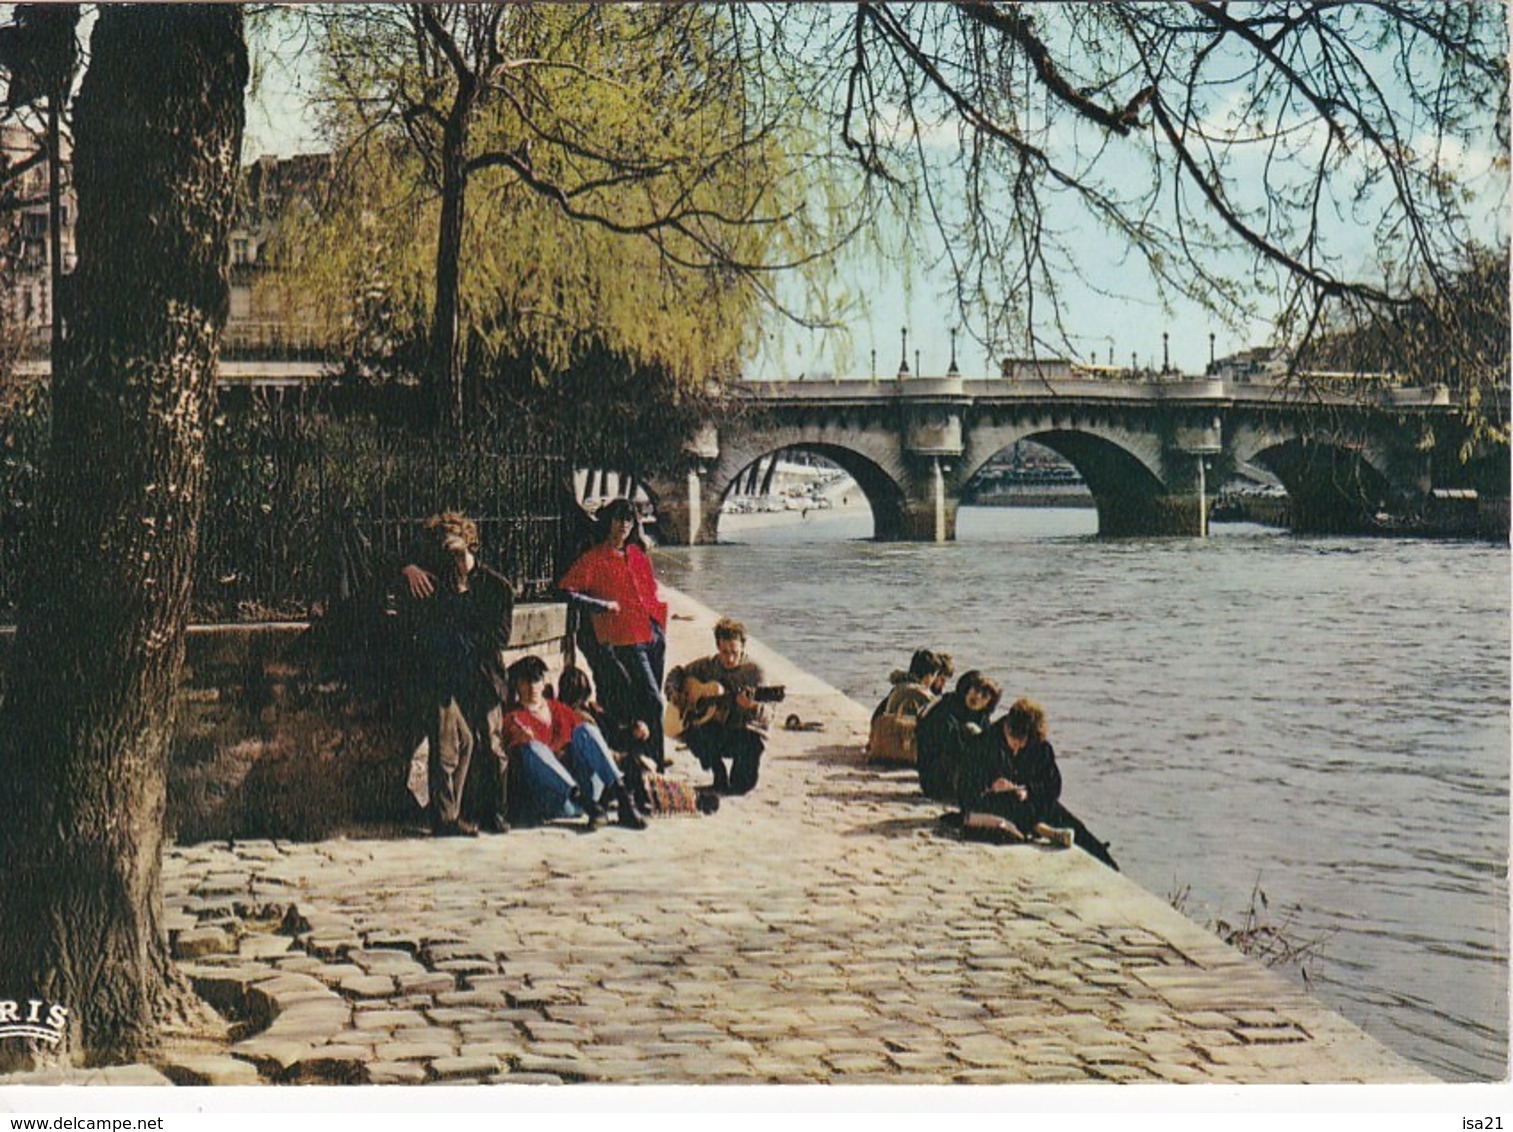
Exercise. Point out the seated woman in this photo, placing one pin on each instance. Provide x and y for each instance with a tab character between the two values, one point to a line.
949	728
1014	778
892	737
563	765
653	793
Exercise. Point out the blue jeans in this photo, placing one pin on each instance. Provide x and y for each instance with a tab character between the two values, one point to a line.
642	665
556	786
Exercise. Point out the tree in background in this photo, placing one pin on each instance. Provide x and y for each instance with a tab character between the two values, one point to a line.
1456	334
523	186
88	710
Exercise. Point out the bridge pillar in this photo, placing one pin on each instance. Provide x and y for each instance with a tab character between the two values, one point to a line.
688	508
1175	514
680	510
932	434
926	512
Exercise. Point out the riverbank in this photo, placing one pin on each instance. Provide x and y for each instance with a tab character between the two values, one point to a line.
844	505
823	929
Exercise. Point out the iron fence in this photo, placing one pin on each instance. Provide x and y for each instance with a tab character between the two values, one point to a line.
310	501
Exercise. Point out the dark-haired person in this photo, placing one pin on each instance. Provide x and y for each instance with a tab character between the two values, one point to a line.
653	793
562	765
615	582
732	724
913	687
1015	777
943	674
892	737
949	728
461	614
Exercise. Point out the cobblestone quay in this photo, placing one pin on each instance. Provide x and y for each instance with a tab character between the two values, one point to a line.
819	930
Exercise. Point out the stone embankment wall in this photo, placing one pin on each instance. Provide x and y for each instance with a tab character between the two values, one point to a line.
296	732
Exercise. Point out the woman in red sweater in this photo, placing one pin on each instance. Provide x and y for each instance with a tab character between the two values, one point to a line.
614	580
565	768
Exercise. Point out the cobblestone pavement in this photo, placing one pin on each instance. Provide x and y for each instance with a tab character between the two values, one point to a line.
820	929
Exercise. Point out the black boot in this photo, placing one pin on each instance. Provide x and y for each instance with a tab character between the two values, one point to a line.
591	809
630	817
635	782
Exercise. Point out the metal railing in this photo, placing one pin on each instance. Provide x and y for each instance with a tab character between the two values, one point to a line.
306	506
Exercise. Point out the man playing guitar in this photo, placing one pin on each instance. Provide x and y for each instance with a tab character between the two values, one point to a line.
727	723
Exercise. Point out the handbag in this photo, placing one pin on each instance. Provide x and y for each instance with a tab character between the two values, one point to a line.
893	740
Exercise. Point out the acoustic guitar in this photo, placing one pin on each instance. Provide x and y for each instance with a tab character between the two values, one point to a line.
699	702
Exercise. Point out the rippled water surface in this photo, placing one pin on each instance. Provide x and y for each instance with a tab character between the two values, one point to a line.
1327	719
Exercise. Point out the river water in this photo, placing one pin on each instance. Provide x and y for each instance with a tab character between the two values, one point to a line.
1323	720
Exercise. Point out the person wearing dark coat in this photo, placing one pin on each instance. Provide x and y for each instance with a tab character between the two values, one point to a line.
1013	776
462	616
948	728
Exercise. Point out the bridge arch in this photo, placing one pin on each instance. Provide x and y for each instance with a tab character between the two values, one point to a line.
1337	478
1124	473
878	485
1333	487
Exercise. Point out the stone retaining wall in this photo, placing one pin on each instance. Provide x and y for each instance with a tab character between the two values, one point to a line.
286	732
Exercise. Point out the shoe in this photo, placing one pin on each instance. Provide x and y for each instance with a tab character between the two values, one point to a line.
706	801
625	805
1065	838
495	823
595	818
976	826
458	828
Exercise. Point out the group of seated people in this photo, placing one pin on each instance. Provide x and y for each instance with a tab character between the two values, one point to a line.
565	755
999	774
568	755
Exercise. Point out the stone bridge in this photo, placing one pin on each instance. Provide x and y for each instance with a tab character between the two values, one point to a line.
1147	446
1147	449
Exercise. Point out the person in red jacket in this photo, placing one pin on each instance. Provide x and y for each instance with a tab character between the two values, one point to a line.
614	581
563	765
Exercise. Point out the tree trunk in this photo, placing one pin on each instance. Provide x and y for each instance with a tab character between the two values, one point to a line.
446	356
85	729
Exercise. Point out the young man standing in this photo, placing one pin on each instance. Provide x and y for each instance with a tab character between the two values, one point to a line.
462	616
725	721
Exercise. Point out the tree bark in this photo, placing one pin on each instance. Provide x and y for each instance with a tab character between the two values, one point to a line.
446	361
85	729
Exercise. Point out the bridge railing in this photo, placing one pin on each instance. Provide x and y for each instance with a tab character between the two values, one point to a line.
1301	388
